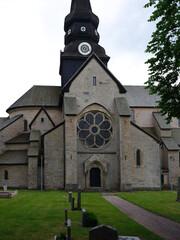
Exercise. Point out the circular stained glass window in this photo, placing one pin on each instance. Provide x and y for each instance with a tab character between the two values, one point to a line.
94	129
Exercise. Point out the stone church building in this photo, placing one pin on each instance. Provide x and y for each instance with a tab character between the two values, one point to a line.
91	132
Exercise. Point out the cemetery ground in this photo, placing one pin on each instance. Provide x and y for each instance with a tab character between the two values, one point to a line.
163	203
40	215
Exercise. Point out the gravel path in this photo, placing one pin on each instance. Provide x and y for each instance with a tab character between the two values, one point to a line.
162	226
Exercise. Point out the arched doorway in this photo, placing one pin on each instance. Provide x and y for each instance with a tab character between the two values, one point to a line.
95	177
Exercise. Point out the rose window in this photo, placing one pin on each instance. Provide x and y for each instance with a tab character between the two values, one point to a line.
94	129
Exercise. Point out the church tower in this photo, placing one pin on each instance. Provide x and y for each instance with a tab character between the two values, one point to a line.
81	39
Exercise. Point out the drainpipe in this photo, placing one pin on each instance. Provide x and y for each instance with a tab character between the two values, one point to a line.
171	160
41	173
160	159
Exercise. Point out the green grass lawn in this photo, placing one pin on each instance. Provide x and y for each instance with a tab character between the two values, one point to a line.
35	215
163	203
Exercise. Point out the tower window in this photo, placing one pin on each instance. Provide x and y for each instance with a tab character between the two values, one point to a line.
94	81
138	157
25	125
5	175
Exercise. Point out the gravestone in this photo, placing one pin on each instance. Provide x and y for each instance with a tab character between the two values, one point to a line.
83	217
68	237
79	200
178	194
128	238
66	217
70	197
103	232
5	188
72	204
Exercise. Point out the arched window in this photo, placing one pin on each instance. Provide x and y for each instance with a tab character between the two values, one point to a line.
5	175
138	157
25	125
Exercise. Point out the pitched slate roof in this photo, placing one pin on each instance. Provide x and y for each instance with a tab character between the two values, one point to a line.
93	55
138	96
122	106
149	133
161	121
9	121
170	144
38	96
2	119
21	138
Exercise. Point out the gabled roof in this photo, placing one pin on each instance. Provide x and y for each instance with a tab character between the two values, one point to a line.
146	132
93	55
161	121
9	121
170	144
39	96
138	96
42	109
20	139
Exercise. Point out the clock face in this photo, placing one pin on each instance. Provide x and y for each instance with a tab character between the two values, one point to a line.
84	48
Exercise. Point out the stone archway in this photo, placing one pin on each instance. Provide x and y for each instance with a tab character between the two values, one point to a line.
95	171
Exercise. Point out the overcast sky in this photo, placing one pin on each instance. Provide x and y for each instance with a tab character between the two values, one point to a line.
32	35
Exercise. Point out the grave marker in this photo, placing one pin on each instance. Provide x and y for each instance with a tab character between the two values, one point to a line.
72	204
79	200
66	217
68	237
83	217
70	197
103	232
5	188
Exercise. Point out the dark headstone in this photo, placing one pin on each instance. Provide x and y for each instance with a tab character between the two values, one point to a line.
178	194
83	217
128	238
103	232
79	200
66	217
72	203
70	197
68	237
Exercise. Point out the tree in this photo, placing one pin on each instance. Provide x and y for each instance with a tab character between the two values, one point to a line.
164	65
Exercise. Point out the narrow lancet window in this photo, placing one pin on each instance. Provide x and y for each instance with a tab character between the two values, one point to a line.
138	157
5	175
25	125
94	81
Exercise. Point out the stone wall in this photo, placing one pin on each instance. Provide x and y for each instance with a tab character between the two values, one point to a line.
17	176
143	117
54	159
9	132
148	174
174	167
42	123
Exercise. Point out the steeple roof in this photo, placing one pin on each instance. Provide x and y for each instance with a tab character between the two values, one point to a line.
81	11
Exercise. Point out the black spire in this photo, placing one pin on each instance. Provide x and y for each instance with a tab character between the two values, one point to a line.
81	38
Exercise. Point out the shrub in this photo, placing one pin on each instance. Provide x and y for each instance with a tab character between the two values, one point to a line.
62	236
90	219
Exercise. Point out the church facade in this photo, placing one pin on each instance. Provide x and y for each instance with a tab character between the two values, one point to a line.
91	132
